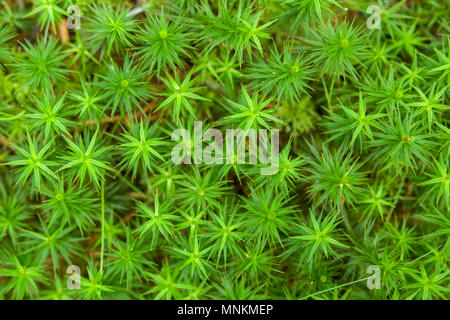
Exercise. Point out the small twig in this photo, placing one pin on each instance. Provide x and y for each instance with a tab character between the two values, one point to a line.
63	31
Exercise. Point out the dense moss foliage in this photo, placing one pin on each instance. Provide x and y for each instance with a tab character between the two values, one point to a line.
346	103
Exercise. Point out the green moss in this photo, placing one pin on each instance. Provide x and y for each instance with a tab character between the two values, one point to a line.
86	170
